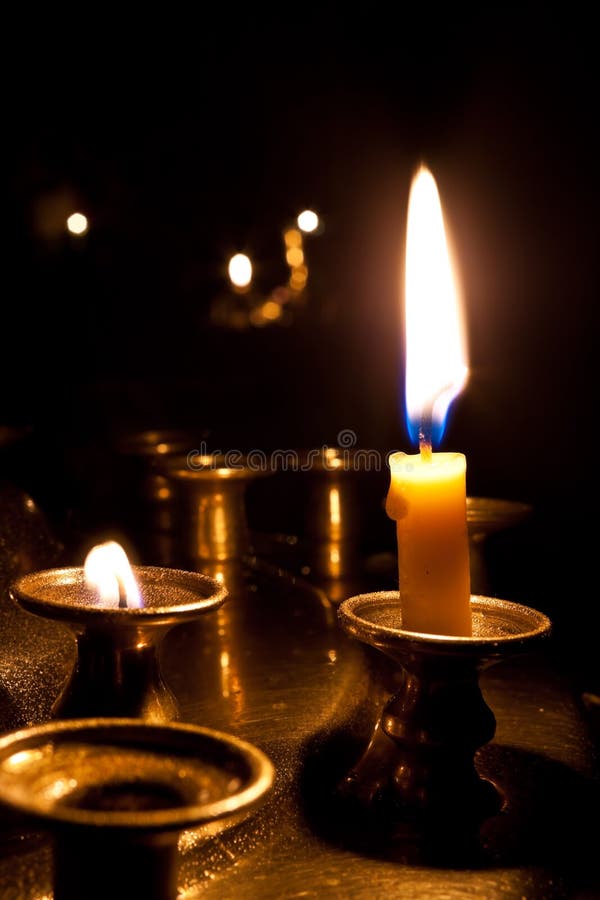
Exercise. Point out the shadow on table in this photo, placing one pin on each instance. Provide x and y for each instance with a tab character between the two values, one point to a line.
544	824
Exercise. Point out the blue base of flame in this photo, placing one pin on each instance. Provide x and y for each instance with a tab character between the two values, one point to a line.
434	431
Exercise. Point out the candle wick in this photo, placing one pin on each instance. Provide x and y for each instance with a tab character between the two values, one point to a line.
425	451
425	429
122	594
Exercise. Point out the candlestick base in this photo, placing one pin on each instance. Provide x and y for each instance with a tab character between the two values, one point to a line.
117	793
420	760
117	672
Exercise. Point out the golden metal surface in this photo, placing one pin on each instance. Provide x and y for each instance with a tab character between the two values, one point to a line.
272	666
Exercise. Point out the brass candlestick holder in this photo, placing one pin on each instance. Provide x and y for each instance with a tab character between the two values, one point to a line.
212	493
117	672
420	761
117	793
327	548
332	523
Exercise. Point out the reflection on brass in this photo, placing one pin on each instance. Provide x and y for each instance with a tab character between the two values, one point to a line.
332	560
422	752
117	670
157	443
331	510
117	793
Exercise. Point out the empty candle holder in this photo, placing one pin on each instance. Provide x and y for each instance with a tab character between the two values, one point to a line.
117	793
332	525
212	491
420	762
117	670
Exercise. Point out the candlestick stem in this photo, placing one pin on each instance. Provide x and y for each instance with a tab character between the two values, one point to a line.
118	673
141	866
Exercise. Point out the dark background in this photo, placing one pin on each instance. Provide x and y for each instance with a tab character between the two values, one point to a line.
185	138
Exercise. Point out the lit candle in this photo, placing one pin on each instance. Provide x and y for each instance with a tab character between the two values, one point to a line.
427	495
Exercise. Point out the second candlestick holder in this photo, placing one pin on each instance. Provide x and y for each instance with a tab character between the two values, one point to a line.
420	760
117	671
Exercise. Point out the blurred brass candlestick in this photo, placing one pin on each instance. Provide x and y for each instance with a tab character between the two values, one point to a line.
142	456
212	496
117	793
332	520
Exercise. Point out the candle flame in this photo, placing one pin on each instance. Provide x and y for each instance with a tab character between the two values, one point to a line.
108	571
436	359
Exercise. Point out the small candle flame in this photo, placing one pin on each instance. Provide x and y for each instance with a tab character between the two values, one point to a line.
436	359
77	224
108	571
308	221
240	270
